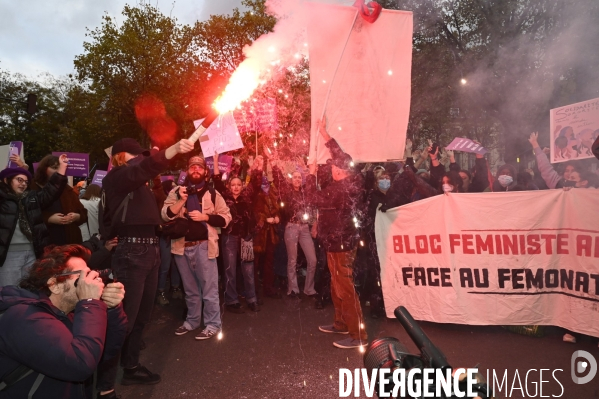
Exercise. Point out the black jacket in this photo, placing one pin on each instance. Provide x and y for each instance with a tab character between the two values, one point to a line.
35	202
66	349
132	178
243	223
338	203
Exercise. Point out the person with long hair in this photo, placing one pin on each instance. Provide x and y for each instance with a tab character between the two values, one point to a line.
297	216
64	216
23	234
240	201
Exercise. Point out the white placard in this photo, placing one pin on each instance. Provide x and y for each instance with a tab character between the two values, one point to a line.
222	135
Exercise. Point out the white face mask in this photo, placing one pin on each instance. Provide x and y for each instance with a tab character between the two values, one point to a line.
447	188
505	180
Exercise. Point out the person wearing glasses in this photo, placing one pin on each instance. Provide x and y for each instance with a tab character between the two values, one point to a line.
23	234
57	325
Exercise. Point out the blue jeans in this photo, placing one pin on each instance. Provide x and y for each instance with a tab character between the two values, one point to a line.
231	245
136	266
16	266
295	233
166	260
200	280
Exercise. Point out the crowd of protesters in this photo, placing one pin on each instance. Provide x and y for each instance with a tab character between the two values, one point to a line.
223	240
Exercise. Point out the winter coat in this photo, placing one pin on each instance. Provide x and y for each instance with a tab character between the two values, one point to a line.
34	202
142	209
243	223
67	202
66	349
219	207
266	206
92	226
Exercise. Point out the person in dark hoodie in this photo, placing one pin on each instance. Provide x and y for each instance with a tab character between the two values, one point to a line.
56	326
23	234
505	179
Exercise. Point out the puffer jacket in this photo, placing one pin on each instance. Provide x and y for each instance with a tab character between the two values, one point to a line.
66	349
35	202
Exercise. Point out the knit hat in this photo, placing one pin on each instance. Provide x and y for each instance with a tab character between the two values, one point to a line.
11	172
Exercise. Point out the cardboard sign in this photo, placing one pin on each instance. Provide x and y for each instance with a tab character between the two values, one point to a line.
574	128
466	145
99	175
257	116
78	163
224	163
222	135
181	178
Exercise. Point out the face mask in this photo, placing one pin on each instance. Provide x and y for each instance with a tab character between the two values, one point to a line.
384	184
505	180
447	188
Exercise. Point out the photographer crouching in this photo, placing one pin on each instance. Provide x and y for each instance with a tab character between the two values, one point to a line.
57	325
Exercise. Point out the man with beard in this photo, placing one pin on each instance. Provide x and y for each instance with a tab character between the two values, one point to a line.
195	254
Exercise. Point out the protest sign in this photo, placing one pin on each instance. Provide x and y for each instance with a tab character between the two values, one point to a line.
221	136
224	163
78	163
466	145
467	259
99	175
360	77
181	178
574	128
257	116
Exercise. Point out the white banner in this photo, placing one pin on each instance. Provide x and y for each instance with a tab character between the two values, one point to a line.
574	128
514	258
361	71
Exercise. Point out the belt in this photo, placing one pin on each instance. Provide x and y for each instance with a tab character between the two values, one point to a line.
139	240
193	243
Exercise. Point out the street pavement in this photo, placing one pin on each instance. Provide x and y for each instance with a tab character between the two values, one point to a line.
279	353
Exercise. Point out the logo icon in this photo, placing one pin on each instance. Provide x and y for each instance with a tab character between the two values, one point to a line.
578	366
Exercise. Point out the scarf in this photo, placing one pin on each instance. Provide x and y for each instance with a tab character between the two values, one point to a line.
23	222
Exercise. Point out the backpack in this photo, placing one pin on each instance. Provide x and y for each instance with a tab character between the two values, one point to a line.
104	218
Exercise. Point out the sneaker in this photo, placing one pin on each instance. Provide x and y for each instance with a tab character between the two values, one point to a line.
569	338
235	308
111	395
161	299
294	295
181	330
331	329
206	334
254	307
139	375
177	293
349	343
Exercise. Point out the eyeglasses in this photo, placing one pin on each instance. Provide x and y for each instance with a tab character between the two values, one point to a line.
67	273
20	180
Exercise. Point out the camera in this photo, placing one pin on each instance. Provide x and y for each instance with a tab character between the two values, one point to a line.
390	353
193	189
107	276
